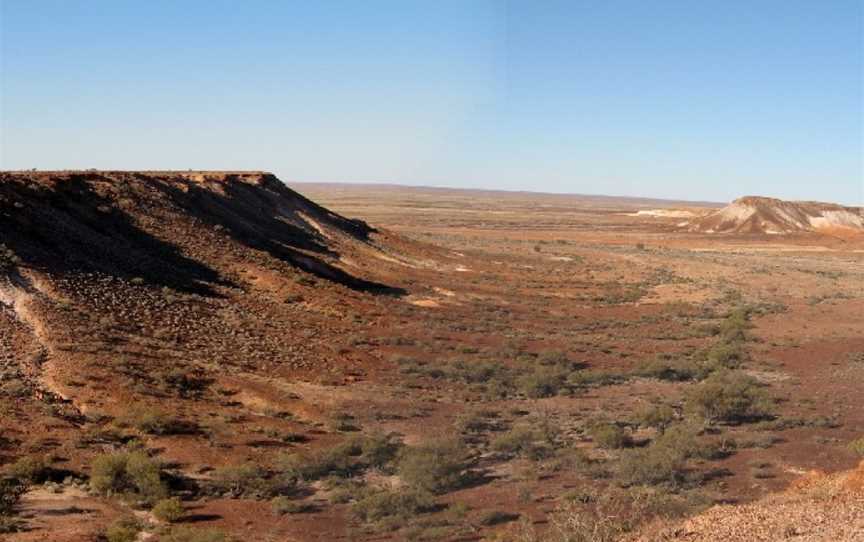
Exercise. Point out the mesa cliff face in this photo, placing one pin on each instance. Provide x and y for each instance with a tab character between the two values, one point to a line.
146	225
754	214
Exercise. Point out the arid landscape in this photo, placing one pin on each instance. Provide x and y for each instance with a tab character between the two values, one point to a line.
211	356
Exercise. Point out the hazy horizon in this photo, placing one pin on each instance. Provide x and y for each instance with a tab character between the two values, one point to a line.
669	101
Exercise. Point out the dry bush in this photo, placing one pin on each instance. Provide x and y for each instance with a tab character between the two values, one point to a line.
434	467
376	505
609	436
729	396
168	510
129	474
123	530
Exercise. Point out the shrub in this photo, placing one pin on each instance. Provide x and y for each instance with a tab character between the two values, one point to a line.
652	465
609	436
131	474
496	517
542	382
340	460
725	354
283	505
152	421
857	446
168	510
123	530
729	396
30	469
435	467
734	327
522	439
378	505
658	416
379	450
246	480
11	490
674	370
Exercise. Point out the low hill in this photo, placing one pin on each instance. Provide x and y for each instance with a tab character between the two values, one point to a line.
817	508
753	214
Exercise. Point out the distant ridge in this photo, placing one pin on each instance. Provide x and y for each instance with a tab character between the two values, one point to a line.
761	215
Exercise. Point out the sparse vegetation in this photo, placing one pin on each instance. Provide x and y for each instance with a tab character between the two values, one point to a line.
376	505
168	510
729	396
609	435
434	467
123	530
129	474
857	446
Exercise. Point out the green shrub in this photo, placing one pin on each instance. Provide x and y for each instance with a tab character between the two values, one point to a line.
609	435
123	530
378	505
734	327
131	474
31	469
725	354
496	517
729	396
168	510
521	439
652	465
379	450
658	416
857	446
542	382
11	490
283	505
152	421
246	480
435	467
340	460
674	370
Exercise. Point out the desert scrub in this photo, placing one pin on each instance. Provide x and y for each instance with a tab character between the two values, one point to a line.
152	420
609	436
663	461
123	530
729	396
658	416
857	446
248	480
341	460
344	459
542	382
168	510
129	474
32	469
523	440
404	504
11	490
283	505
379	450
434	467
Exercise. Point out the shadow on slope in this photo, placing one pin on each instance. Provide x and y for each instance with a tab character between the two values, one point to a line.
67	228
268	217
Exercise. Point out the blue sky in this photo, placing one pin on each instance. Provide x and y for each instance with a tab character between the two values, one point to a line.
677	99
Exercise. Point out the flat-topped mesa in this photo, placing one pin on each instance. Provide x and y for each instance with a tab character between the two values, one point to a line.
126	222
763	215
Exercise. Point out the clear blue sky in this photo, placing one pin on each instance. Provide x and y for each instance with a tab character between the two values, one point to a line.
679	99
